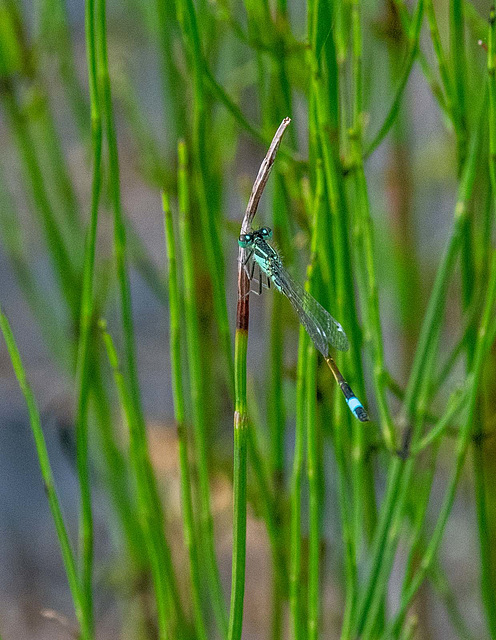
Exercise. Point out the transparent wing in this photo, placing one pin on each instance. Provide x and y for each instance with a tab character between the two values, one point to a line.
320	325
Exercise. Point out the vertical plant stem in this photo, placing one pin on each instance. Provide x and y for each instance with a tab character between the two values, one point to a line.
148	505
458	69
62	264
240	413
198	395
441	58
314	496
400	471
325	95
172	82
85	325
190	537
160	558
296	480
487	556
239	485
365	226
266	495
213	247
48	481
481	352
414	36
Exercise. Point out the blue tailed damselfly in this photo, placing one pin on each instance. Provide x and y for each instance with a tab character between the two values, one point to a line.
322	328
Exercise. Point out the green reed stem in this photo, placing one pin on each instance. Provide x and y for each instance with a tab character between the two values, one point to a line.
56	29
414	36
440	55
313	470
486	547
400	472
459	75
239	475
240	413
297	615
213	247
481	353
190	536
198	393
276	415
314	496
172	78
159	555
39	304
84	363
62	264
267	498
78	596
366	235
325	96
453	407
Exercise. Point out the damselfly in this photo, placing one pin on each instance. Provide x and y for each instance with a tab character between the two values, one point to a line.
322	328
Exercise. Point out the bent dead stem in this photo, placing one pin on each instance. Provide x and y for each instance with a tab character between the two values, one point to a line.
240	414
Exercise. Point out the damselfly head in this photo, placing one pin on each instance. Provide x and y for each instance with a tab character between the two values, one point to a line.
266	232
245	240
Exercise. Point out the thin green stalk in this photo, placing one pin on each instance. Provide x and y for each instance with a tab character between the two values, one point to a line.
400	472
115	197
445	591
314	496
441	58
39	304
239	475
160	557
480	356
150	519
212	243
459	75
314	487
414	36
347	525
266	495
240	413
365	237
486	551
198	394
40	120
325	99
190	537
57	34
453	407
84	363
48	481
62	263
429	75
297	615
172	81
116	472
276	416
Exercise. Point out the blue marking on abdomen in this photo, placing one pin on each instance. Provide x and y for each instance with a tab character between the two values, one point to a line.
354	403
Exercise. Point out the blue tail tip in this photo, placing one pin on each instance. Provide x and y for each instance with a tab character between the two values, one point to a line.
362	415
357	409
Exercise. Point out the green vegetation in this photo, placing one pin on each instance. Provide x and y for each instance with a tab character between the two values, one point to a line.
352	513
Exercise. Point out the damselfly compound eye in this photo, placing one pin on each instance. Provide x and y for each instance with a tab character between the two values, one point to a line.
244	240
266	232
